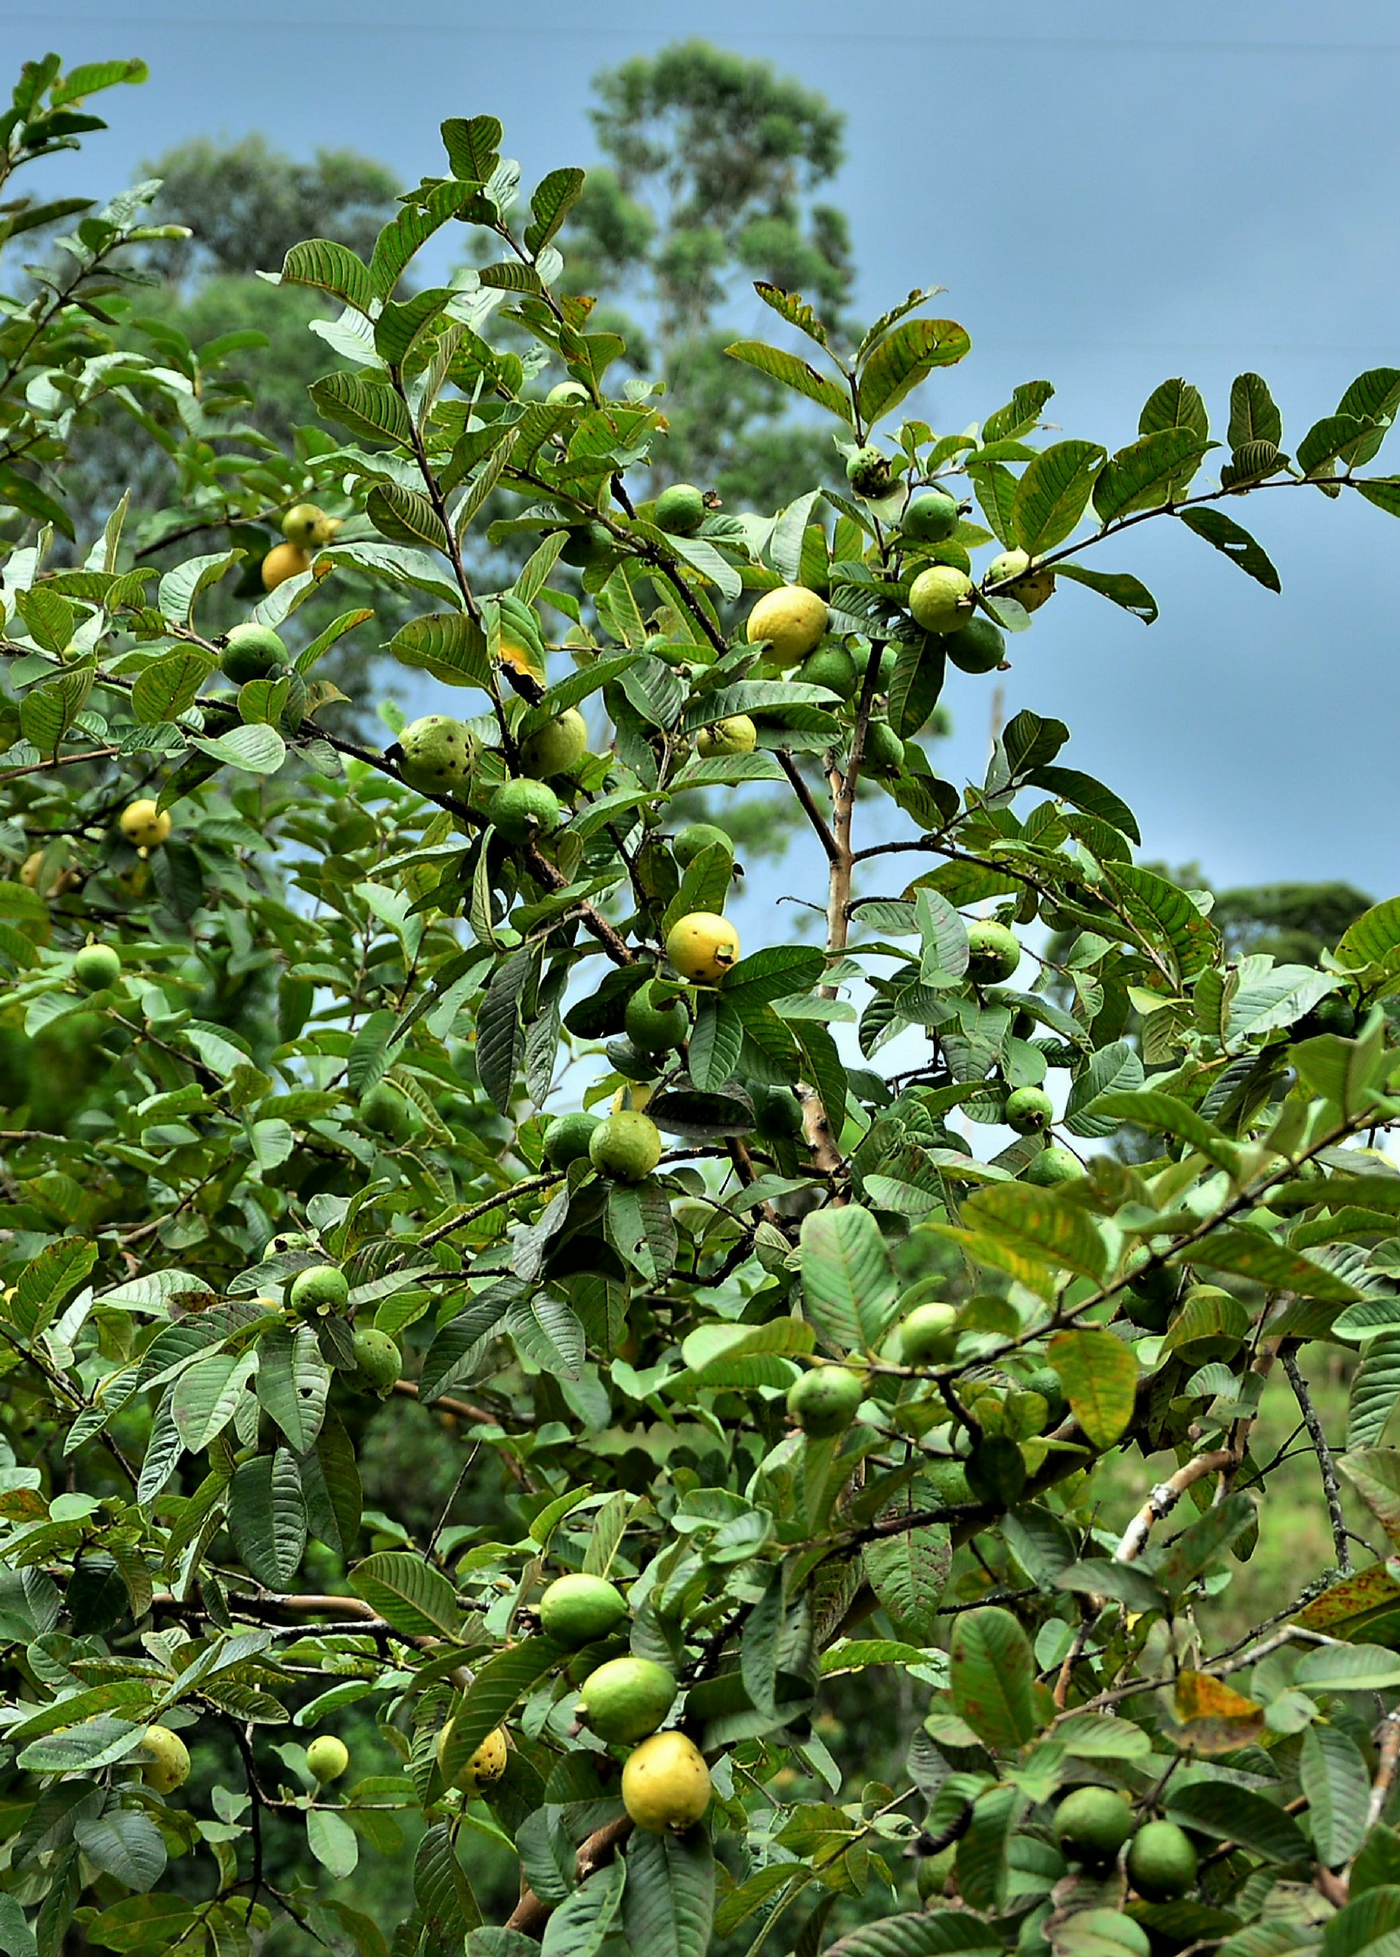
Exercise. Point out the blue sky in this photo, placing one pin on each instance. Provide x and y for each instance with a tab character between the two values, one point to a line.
1111	195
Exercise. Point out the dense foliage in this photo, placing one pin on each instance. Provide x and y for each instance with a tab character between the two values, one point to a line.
786	1318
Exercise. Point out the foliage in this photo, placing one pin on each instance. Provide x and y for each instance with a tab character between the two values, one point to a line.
313	1100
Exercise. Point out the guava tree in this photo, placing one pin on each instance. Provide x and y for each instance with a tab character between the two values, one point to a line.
883	1324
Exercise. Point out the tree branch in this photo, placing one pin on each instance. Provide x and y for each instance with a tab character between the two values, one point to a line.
1327	1467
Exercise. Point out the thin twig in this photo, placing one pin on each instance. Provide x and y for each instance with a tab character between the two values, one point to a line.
1327	1467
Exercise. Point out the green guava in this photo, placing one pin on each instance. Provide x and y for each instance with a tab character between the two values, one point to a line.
626	1699
868	472
928	1335
832	666
777	1113
823	1401
940	598
384	1111
306	524
567	1137
980	647
327	1758
993	952
1028	1110
626	1146
251	652
687	843
1162	1862
931	518
575	1610
523	810
557	747
653	1023
96	967
438	754
320	1290
680	509
737	735
1046	1382
1051	1167
377	1357
1092	1824
884	750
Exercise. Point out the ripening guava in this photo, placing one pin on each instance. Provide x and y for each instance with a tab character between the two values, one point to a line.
522	810
702	946
557	747
485	1766
626	1146
792	619
737	735
1092	1824
144	824
980	647
928	1335
306	525
284	561
438	754
1030	588
687	843
680	509
823	1401
567	1137
96	967
868	472
384	1111
1162	1862
322	1289
168	1765
251	652
626	1699
653	1023
777	1112
576	1609
377	1357
993	952
1051	1167
931	518
940	598
1028	1110
327	1758
666	1784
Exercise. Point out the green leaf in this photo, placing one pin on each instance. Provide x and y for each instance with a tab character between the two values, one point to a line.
1375	1388
716	1039
442	1892
1253	416
1348	1668
554	197
331	267
1371	940
408	1593
1231	1813
905	357
497	1688
1146	472
992	1674
367	410
1273	1265
332	1841
167	687
1163	1114
1130	594
794	373
1052	494
1374	1472
1234	542
848	1286
46	1281
1099	1376
267	1517
207	1394
926	1933
1373	397
293	1382
909	1573
668	1904
473	146
1020	414
581	1924
449	645
1114	1069
1032	1224
1334	435
405	516
1338	1789
254	749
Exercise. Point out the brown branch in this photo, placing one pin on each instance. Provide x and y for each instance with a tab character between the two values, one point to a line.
1164	1498
809	804
531	1913
1387	1760
59	761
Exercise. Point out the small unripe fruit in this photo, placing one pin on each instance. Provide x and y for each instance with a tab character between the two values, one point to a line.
522	810
384	1111
1030	588
327	1758
1092	1824
284	561
556	747
306	525
168	1766
993	952
687	843
884	750
627	1146
143	824
438	754
833	667
980	647
626	1699
575	1610
702	946
929	1335
320	1290
868	472
377	1357
1162	1862
737	735
930	518
1051	1167
96	967
792	619
654	1025
680	509
1028	1110
666	1784
251	652
567	1137
940	598
823	1401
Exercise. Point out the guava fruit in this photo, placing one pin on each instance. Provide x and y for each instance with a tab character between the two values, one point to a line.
940	598
523	810
485	1766
377	1357
144	824
928	1335
833	667
792	619
1030	588
438	754
980	647
567	391
319	1290
687	843
884	750
993	952
777	1112
931	518
655	1024
576	1609
251	652
1051	1167
666	1784
737	735
567	1137
680	509
702	946
823	1401
306	524
168	1764
626	1146
1331	1014
1092	1824
284	561
556	747
1162	1862
384	1111
868	472
626	1699
96	967
585	544
1028	1110
327	1758
1046	1382
931	1872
